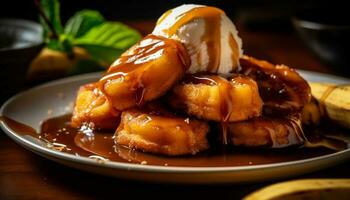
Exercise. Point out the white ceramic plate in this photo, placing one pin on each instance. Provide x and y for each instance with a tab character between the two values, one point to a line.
31	107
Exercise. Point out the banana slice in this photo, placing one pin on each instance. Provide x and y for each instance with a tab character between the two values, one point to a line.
212	97
281	88
144	72
160	132
93	109
334	101
304	189
267	132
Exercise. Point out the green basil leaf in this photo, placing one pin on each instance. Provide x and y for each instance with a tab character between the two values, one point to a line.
82	21
108	41
51	9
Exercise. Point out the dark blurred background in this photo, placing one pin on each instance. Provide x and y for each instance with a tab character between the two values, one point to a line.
253	13
265	26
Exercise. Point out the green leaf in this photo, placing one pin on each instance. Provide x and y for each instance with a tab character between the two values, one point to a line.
54	45
108	41
51	9
82	21
85	66
64	43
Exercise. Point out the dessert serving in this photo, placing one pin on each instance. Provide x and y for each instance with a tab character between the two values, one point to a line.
186	95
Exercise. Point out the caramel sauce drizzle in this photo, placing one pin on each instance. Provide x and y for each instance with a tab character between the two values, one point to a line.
235	50
19	127
164	16
100	146
225	97
212	35
148	49
279	86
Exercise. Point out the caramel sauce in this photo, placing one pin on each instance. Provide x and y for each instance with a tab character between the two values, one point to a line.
225	97
100	145
19	127
297	129
282	90
148	49
98	101
201	79
164	16
212	35
235	50
280	132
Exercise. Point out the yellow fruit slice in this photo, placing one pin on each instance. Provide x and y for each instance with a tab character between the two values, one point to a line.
332	101
308	189
51	64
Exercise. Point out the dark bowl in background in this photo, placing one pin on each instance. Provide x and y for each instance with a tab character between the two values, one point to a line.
327	35
20	42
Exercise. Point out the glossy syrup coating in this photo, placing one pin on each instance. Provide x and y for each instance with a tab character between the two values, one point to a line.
267	132
63	137
212	97
209	36
93	109
144	72
159	131
284	93
281	88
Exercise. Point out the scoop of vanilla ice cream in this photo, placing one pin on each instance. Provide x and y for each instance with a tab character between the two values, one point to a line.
209	36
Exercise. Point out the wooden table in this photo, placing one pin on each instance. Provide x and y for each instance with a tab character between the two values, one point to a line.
24	175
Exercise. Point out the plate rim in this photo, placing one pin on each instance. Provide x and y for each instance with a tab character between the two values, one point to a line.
41	150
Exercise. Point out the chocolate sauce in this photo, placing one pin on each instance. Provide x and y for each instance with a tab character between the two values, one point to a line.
100	145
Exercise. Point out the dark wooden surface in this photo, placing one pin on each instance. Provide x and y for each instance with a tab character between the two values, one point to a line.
24	175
